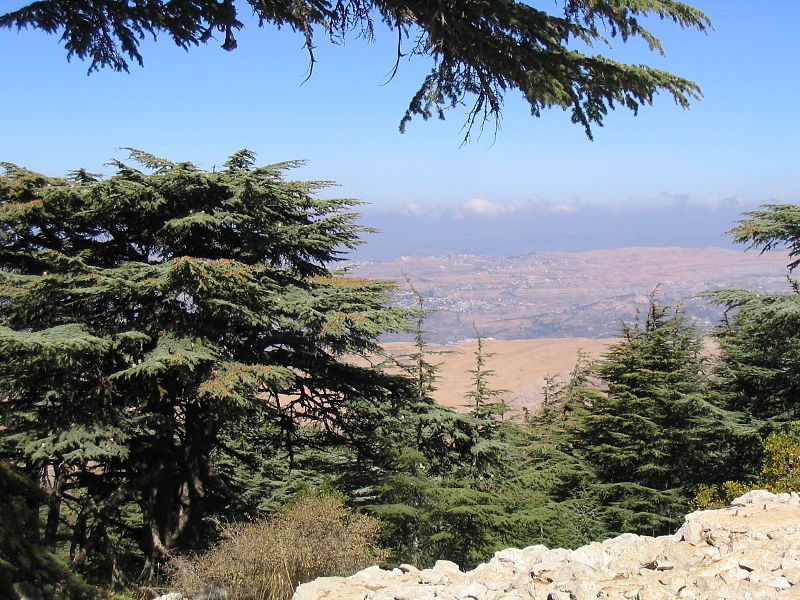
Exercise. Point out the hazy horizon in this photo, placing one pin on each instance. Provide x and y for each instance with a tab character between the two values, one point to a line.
482	227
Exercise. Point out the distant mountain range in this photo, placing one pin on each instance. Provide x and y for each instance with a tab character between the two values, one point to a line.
569	294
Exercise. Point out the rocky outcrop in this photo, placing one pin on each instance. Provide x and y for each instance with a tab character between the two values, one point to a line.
749	550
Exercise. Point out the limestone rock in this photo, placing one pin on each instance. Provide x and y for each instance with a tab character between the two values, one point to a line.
749	550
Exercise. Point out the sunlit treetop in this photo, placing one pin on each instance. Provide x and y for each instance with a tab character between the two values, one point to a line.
772	226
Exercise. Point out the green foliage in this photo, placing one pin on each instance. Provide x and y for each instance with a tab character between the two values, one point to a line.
23	556
483	400
167	333
438	482
779	472
773	226
417	363
421	485
268	559
434	509
478	50
175	353
622	445
759	370
555	503
654	433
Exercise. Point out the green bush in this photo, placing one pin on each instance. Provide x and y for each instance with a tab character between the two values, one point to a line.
780	472
268	559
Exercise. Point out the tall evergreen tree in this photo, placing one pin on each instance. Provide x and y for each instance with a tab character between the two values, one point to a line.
653	434
760	367
475	510
148	319
483	400
554	502
418	363
439	485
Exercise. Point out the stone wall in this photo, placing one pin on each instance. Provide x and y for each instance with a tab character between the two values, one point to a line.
749	550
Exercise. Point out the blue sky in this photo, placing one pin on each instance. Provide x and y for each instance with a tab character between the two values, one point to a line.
735	148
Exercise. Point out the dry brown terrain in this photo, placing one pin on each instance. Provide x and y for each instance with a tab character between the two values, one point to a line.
570	294
544	307
520	366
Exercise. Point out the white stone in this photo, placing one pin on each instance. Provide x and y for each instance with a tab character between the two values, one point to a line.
333	587
586	590
544	569
473	590
792	575
373	572
774	581
754	559
746	552
592	555
752	497
673	582
654	593
446	566
758	591
432	577
571	572
512	596
789	563
414	592
535	589
405	568
734	574
692	532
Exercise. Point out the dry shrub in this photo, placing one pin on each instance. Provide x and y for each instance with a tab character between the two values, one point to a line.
268	559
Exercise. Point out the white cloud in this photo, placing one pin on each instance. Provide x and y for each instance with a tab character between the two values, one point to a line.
481	206
415	209
717	203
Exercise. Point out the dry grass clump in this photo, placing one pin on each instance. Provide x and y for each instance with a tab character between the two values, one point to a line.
268	559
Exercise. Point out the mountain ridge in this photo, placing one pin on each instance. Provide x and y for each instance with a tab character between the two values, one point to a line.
550	293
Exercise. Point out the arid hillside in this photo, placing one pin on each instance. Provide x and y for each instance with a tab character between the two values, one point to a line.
520	366
570	294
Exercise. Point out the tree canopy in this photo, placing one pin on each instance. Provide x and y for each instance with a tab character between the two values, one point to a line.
772	226
177	352
164	327
654	433
759	370
479	50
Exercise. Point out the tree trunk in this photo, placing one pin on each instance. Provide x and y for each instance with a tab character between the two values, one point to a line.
173	499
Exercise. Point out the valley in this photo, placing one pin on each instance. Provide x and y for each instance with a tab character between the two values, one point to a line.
569	294
539	310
